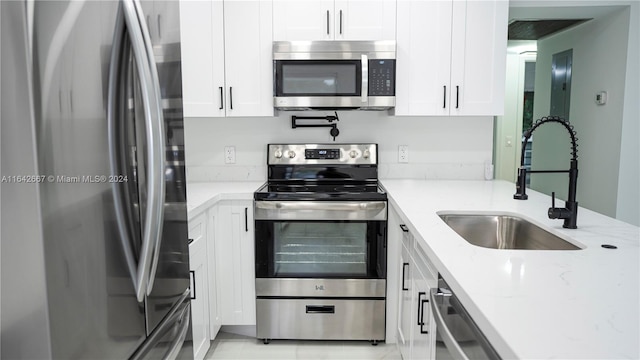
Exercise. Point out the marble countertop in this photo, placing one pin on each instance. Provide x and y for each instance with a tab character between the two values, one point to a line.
532	304
201	196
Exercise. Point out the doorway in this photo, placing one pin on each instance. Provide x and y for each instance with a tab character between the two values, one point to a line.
561	83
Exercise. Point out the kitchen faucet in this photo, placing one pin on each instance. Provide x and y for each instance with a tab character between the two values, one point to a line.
569	213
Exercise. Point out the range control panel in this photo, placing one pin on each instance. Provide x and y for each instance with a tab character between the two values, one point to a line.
301	154
322	154
382	77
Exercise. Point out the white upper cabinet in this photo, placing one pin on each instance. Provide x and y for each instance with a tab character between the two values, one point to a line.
451	57
295	20
248	58
202	68
365	20
226	58
479	57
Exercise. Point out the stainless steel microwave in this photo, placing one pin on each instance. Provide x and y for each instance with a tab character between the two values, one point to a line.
334	75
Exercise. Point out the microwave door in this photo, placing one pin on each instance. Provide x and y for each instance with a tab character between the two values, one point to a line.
319	83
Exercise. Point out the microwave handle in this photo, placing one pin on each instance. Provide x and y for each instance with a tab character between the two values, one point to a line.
365	78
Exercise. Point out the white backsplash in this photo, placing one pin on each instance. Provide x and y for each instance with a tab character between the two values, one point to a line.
439	147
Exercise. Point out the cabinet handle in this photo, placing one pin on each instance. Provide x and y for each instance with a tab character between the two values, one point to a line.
340	22
190	241
457	95
404	266
420	317
404	228
422	330
327	22
246	219
444	102
159	27
230	97
221	98
193	281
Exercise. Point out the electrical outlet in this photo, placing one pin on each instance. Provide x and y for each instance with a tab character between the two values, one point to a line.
403	153
229	154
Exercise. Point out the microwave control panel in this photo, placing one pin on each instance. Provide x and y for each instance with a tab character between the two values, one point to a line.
382	77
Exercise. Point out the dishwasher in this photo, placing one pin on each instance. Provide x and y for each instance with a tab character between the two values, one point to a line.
457	335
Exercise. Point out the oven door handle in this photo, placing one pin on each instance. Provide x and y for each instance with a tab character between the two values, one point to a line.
322	205
442	329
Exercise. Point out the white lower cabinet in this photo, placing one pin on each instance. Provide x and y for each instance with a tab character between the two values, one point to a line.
235	262
404	303
423	334
199	286
415	333
223	271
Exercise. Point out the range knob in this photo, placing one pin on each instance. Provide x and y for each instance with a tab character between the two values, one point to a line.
292	154
366	154
353	154
278	154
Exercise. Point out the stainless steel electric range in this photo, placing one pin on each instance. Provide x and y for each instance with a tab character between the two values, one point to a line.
321	244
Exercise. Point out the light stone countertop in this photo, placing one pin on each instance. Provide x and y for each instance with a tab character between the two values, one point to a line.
201	196
531	304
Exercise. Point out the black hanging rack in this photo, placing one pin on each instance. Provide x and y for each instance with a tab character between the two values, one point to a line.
330	118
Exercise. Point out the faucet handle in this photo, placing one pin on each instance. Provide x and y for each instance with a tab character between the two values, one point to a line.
557	213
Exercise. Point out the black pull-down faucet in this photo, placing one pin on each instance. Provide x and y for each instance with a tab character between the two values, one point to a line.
569	213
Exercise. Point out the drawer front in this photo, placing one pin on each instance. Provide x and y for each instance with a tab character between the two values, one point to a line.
320	319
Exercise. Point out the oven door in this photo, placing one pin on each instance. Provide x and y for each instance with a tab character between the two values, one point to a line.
321	239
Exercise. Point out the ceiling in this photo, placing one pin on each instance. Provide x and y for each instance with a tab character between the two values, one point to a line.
536	29
528	22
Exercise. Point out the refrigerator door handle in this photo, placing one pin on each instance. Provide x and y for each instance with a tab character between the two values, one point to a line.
141	269
113	136
155	209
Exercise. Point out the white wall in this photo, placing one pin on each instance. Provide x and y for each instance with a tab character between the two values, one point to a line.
599	63
509	126
628	207
439	147
505	126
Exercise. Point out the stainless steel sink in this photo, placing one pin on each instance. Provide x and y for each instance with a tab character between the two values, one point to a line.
504	232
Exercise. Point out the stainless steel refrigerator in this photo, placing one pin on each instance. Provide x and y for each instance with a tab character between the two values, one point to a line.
94	248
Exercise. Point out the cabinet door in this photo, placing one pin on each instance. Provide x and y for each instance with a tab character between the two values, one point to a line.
242	219
308	20
365	20
236	263
404	304
424	55
478	57
423	325
248	58
394	245
202	47
215	317
199	286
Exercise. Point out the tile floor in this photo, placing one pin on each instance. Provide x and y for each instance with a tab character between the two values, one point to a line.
231	346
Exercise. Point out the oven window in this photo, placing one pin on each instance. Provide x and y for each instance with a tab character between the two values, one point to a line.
333	249
318	78
313	248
